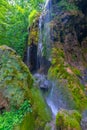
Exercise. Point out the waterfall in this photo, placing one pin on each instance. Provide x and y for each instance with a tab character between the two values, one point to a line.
55	96
39	58
44	35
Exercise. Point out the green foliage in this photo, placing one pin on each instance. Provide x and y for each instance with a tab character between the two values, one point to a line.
14	22
9	119
13	26
36	4
32	17
76	71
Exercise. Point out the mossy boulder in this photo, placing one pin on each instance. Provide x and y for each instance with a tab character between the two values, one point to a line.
41	112
68	120
15	84
22	106
68	76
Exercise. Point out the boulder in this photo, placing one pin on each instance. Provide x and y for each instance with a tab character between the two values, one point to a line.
15	84
68	120
15	78
42	81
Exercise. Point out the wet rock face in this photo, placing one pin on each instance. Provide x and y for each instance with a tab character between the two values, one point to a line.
15	79
33	57
84	120
69	28
42	81
84	123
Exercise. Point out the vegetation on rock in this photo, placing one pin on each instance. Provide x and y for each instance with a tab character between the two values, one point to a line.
15	84
15	93
41	113
9	119
22	106
68	76
69	120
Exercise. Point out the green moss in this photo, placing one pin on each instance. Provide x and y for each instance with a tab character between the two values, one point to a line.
40	110
68	120
27	123
15	84
76	71
32	17
62	71
15	77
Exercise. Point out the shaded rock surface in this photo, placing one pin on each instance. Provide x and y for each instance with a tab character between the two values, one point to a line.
69	47
42	81
69	28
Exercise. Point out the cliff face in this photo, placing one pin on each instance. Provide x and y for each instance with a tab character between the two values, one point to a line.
69	47
69	28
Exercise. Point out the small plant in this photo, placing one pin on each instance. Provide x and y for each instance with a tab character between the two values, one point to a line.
9	119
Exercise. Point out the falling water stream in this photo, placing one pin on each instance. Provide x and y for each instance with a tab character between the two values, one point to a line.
54	99
55	95
43	49
44	46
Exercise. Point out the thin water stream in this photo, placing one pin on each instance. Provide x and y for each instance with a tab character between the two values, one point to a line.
54	98
52	93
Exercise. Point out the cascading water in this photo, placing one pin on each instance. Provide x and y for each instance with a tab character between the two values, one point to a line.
44	48
36	58
55	96
44	35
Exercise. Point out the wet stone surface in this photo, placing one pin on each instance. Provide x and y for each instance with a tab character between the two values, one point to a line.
42	81
84	120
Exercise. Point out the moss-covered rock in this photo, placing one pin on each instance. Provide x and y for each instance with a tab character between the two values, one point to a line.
16	92
68	120
15	77
27	123
41	112
68	27
15	84
68	76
